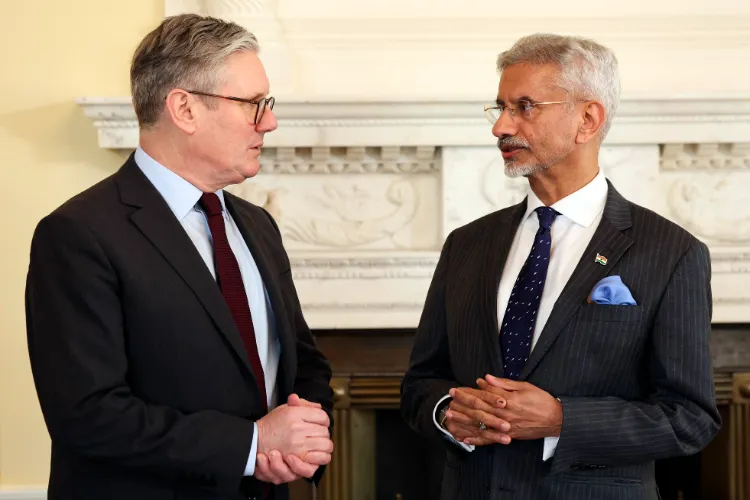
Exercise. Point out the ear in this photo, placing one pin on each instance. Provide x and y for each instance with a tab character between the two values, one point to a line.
593	120
182	108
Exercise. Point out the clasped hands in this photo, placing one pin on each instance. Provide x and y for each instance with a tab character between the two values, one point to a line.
501	410
293	441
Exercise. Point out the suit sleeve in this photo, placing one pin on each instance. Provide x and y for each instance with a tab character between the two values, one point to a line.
679	417
313	369
78	353
429	376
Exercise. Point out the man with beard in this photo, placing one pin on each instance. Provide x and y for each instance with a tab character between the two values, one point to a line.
564	342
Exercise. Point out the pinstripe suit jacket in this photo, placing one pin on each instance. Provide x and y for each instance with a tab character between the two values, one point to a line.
635	382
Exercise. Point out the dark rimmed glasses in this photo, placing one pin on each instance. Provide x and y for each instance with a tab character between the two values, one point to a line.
252	118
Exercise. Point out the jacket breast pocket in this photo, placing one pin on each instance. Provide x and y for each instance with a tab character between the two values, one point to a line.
610	314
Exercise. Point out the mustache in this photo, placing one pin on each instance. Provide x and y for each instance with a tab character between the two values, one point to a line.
512	142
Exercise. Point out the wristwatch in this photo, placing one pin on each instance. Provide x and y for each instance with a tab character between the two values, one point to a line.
442	417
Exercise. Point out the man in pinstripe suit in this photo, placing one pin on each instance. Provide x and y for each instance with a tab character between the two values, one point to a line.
563	346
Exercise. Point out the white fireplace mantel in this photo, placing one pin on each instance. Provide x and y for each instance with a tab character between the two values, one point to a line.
366	192
366	186
314	123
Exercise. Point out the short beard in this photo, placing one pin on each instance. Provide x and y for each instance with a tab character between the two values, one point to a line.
514	168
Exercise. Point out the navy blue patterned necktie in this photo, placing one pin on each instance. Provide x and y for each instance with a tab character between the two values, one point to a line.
517	329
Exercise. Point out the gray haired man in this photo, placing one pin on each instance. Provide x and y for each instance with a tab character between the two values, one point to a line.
168	348
563	346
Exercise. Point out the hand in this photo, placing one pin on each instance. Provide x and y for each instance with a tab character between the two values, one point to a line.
470	434
277	468
312	457
462	420
295	400
530	412
294	429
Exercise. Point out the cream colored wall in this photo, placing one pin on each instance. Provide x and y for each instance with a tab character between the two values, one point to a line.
51	52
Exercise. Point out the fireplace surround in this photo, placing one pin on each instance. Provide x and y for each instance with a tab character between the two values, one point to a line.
365	193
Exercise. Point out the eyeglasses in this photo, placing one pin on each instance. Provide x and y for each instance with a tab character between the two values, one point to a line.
253	118
523	110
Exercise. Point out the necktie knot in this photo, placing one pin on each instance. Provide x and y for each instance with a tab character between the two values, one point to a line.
546	217
210	203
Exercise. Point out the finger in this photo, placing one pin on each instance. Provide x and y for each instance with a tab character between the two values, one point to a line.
318	458
280	469
317	444
461	432
314	430
475	416
504	383
263	469
501	394
454	415
295	400
299	466
315	416
473	397
488	436
469	435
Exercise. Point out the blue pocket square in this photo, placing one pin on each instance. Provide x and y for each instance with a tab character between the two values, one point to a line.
611	290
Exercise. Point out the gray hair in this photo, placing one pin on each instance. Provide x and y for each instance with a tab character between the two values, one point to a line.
588	70
186	51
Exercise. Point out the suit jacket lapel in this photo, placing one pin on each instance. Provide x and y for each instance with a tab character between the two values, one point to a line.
609	241
159	225
501	239
249	229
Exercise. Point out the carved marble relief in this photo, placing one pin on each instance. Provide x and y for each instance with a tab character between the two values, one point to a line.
385	198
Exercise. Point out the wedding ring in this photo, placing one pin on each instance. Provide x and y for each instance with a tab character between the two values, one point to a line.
481	426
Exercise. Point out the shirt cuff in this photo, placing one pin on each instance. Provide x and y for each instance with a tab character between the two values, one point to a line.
447	435
250	467
550	445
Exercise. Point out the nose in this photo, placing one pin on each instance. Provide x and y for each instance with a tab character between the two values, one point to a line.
504	125
267	122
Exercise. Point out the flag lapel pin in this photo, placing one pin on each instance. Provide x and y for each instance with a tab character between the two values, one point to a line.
601	259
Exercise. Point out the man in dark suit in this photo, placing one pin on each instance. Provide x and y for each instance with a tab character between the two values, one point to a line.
564	343
169	351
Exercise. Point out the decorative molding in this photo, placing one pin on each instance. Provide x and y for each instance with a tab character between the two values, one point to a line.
307	123
338	216
343	218
696	202
468	27
705	156
348	268
730	262
363	306
464	31
351	160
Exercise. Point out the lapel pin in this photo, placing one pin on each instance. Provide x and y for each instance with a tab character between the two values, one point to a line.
601	259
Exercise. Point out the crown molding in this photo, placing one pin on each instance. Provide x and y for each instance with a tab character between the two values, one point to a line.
321	122
470	32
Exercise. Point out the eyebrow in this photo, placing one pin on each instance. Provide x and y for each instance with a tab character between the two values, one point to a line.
255	97
501	102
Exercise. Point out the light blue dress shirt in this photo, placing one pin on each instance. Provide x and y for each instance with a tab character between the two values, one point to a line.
182	198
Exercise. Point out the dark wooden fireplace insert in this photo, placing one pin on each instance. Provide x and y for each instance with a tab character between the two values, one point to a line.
368	366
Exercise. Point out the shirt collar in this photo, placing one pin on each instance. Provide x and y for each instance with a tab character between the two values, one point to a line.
180	195
582	206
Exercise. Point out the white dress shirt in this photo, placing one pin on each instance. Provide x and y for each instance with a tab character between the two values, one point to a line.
580	214
182	198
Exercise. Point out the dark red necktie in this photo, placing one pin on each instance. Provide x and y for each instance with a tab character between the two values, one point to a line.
232	287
